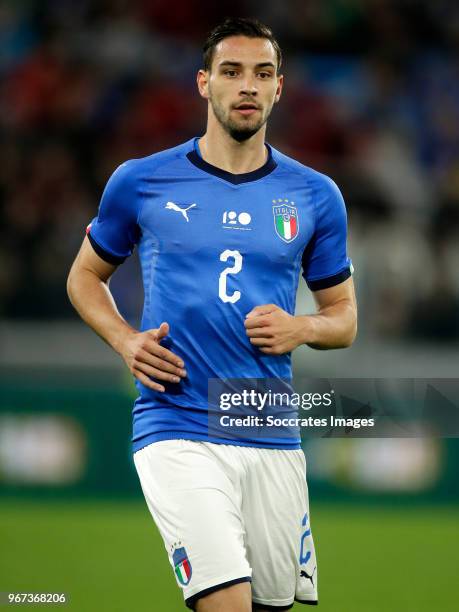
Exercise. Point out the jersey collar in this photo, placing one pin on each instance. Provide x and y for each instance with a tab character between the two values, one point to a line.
236	179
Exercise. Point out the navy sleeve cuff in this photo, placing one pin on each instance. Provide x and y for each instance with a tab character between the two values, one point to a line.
329	281
103	254
191	601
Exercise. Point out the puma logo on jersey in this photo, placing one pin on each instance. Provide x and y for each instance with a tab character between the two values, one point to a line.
304	574
176	207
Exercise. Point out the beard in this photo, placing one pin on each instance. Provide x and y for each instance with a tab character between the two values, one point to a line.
241	129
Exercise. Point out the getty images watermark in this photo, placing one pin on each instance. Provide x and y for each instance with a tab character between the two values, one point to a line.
257	400
254	409
269	400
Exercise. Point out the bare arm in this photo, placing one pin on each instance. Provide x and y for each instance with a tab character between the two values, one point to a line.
334	325
88	290
87	287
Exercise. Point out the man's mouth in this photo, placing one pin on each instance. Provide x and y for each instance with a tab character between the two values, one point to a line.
246	108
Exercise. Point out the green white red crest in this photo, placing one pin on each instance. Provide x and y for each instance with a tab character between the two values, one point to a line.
286	221
182	566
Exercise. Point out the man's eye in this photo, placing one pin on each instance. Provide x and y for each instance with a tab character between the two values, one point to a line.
230	73
264	75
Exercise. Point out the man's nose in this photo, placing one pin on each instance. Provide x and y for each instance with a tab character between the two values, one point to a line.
249	86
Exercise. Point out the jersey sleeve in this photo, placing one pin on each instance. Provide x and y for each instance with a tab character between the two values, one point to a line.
115	231
325	261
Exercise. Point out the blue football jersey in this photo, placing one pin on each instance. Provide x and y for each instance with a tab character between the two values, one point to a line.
212	246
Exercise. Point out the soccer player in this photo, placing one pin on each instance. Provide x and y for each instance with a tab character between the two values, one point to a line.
224	223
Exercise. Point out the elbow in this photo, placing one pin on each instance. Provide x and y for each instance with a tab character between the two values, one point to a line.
348	331
351	333
70	286
351	341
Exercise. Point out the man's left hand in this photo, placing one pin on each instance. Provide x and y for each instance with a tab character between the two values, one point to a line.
273	330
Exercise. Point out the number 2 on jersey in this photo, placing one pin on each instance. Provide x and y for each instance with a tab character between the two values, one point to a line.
237	267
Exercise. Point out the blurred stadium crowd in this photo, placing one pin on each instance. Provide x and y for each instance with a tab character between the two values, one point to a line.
371	98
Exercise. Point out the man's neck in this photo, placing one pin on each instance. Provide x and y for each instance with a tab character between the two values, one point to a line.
218	148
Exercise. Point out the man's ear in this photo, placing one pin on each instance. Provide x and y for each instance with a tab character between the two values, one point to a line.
202	80
280	84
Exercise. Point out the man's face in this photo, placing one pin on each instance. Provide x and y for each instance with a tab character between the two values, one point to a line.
242	85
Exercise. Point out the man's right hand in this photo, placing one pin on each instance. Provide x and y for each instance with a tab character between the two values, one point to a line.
147	359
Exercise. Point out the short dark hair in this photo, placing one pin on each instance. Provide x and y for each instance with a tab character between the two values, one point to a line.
238	26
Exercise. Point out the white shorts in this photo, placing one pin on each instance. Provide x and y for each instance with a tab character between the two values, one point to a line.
230	514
